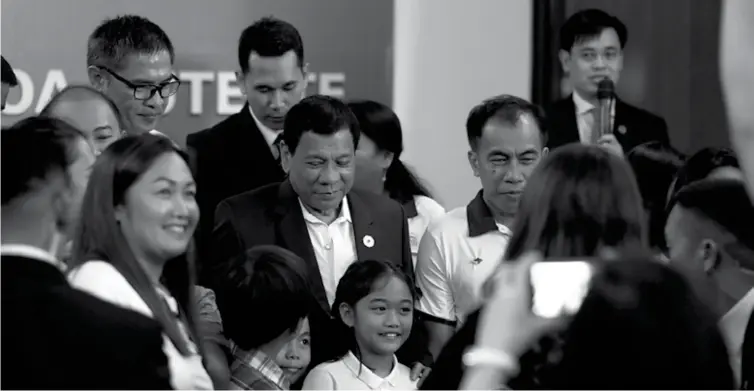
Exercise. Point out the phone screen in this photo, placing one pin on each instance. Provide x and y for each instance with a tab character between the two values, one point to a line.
559	287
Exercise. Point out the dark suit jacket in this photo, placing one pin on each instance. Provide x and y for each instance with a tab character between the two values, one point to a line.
228	159
747	356
272	215
632	126
57	337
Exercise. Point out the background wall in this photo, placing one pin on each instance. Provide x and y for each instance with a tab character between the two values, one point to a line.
449	56
347	43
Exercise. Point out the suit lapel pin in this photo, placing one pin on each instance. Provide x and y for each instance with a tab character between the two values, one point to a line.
622	129
368	241
476	261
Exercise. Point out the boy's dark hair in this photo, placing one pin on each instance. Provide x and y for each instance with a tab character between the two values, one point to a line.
265	294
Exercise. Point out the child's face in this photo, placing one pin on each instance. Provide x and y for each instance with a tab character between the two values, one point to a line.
294	357
382	320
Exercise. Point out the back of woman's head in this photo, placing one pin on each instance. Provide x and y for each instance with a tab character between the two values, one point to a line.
703	163
655	166
640	327
382	126
579	199
359	280
99	236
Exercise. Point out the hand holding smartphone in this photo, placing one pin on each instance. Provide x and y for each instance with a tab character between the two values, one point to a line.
559	286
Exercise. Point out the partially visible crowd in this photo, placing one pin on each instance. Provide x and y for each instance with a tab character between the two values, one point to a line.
290	247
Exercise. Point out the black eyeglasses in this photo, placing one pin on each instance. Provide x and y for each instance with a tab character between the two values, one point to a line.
146	92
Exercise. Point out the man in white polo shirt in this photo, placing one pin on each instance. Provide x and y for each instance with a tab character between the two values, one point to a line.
461	249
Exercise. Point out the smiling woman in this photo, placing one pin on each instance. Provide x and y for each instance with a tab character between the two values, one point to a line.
131	245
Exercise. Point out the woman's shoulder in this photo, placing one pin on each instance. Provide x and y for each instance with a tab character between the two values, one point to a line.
97	273
428	207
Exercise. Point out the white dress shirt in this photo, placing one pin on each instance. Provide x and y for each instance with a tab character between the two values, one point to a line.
334	246
733	327
269	135
586	117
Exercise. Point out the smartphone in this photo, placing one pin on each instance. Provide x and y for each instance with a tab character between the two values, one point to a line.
559	286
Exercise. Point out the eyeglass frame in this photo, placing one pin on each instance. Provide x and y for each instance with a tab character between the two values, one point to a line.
154	88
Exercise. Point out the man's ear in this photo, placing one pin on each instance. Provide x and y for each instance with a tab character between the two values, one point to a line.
565	61
241	81
710	254
474	162
97	78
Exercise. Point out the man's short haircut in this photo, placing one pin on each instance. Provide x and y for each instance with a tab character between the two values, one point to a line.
588	24
722	201
265	293
32	149
115	39
506	108
8	76
319	114
78	92
269	37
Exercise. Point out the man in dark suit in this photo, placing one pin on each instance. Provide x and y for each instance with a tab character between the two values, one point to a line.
54	336
242	153
591	49
315	214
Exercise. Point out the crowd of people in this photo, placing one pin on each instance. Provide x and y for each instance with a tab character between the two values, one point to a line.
289	246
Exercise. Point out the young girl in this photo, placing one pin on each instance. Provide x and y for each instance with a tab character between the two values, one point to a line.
375	303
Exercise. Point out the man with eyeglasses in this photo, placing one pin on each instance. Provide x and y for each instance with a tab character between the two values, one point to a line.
130	59
591	49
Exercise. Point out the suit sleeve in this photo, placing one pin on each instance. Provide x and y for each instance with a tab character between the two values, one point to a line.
225	244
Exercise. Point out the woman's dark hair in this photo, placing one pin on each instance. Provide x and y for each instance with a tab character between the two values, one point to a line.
579	199
701	164
641	327
655	166
359	280
98	236
264	280
382	126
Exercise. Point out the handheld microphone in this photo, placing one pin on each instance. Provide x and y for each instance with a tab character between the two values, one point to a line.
606	97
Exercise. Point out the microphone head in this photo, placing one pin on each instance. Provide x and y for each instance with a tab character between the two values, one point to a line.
605	89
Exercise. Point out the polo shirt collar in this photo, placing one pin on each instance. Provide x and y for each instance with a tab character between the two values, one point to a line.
371	379
479	217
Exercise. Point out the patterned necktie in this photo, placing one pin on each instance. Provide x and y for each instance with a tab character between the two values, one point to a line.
276	151
592	135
